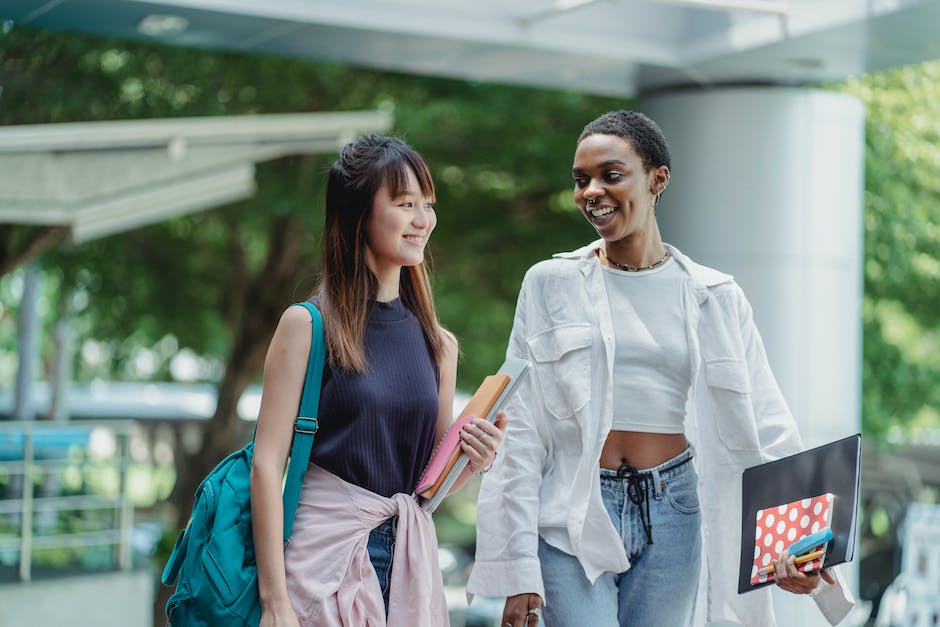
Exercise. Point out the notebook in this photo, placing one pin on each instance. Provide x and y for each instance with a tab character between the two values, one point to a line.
448	460
827	474
780	527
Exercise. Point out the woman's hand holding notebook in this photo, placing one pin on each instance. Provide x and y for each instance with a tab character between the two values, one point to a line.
448	459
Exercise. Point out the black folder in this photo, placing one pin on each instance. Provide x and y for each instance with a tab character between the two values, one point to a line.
830	468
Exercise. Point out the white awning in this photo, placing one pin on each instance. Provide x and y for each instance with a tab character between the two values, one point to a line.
100	178
616	47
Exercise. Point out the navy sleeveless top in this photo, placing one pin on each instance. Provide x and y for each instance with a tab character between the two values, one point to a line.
377	428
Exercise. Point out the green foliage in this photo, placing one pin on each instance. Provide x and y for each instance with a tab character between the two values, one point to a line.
902	250
500	156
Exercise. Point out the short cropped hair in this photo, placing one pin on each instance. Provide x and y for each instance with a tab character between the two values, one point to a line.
643	134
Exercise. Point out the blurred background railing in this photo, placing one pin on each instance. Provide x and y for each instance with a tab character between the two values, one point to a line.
64	503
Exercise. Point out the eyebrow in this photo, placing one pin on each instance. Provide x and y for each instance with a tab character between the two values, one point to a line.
411	193
602	164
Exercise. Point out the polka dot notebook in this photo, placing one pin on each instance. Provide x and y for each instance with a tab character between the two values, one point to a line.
772	492
779	527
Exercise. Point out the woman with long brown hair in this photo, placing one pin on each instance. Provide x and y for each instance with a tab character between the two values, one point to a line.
362	552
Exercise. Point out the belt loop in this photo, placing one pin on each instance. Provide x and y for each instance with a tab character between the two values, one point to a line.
657	484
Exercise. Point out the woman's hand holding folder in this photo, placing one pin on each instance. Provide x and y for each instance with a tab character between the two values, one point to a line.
789	577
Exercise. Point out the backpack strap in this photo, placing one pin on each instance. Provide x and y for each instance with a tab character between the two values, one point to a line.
306	425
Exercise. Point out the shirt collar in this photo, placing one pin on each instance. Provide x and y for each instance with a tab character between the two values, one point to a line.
702	276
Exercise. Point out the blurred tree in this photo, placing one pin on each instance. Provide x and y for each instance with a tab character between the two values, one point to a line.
216	282
900	316
20	245
502	182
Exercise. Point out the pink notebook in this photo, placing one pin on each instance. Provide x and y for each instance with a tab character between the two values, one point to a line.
448	450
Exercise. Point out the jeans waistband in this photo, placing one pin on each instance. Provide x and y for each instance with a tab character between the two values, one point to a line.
389	526
667	470
637	484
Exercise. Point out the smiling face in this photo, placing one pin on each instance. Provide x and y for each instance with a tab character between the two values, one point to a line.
613	190
398	227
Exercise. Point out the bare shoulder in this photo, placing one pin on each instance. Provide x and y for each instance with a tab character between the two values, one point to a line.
293	331
448	359
294	319
450	340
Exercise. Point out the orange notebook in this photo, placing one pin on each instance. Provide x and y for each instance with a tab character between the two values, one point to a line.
447	460
448	450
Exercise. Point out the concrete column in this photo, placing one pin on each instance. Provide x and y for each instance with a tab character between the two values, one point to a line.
63	341
767	185
27	330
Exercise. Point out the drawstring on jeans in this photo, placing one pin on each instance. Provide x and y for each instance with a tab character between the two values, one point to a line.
638	490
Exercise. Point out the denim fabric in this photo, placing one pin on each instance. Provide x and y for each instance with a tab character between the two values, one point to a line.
660	586
381	548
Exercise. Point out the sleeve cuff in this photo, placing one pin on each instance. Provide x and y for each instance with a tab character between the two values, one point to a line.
505	578
833	600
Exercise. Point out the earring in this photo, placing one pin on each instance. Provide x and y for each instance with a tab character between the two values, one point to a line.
659	194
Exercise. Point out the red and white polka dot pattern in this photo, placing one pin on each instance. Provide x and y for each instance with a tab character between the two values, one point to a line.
779	527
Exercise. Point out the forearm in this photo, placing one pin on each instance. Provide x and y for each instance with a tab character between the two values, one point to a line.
267	519
465	475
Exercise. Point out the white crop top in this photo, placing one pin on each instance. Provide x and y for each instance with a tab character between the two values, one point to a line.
652	367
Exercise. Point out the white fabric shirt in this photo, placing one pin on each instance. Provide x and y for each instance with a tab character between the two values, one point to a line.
546	480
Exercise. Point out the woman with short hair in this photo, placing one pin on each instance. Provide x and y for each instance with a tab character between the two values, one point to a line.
616	499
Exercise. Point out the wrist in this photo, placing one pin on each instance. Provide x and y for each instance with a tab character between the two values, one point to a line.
275	602
486	468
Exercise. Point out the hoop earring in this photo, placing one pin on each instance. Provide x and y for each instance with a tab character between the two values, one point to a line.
659	194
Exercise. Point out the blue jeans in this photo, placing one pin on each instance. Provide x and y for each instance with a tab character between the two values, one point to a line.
381	550
660	586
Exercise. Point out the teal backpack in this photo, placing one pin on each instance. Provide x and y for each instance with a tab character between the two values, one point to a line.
214	556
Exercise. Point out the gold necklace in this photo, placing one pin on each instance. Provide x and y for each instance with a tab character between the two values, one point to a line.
629	268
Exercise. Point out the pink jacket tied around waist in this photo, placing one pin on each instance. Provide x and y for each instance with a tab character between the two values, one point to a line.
330	578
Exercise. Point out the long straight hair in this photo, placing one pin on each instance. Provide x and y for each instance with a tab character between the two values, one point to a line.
347	285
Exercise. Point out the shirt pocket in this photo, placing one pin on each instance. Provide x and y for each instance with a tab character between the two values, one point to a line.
563	365
730	387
